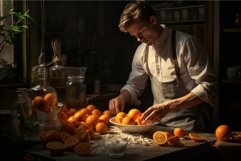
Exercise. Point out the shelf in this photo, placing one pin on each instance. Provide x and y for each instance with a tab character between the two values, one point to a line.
232	30
184	23
229	81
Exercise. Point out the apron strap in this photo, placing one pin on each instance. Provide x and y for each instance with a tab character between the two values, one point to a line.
176	66
174	54
146	59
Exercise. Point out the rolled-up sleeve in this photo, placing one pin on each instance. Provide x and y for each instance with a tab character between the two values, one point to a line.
137	79
201	70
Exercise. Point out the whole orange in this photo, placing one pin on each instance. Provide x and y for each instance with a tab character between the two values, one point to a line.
101	128
127	120
134	114
223	132
180	132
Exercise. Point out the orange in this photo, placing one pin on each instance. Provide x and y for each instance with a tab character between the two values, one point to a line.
85	125
71	119
134	114
180	132
104	118
90	107
107	112
64	136
71	142
127	120
82	148
92	120
101	128
55	147
96	112
196	137
51	100
49	135
173	141
69	128
119	116
80	113
159	137
72	111
38	103
223	132
168	134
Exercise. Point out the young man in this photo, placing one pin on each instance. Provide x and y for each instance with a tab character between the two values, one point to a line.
182	81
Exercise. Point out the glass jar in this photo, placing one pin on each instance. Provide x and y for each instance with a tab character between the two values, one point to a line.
75	91
75	88
44	100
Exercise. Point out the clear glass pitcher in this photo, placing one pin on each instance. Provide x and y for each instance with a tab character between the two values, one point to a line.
75	88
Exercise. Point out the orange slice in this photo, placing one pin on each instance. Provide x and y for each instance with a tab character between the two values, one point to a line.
159	137
196	137
173	141
71	142
82	148
55	147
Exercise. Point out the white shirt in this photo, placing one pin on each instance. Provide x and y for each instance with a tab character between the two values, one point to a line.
195	67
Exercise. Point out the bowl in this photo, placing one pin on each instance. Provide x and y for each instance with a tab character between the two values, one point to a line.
133	128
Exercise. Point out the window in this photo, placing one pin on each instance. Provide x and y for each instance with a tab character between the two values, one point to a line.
7	53
13	55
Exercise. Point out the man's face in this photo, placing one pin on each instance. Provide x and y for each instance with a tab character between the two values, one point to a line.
144	32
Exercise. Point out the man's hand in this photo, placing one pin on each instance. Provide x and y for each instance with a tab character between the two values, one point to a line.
155	113
117	104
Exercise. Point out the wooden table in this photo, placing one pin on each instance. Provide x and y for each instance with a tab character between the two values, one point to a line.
187	150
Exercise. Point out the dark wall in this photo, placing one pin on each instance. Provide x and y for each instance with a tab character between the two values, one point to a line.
90	37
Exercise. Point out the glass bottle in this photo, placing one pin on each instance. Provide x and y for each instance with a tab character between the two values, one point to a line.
75	88
58	77
44	99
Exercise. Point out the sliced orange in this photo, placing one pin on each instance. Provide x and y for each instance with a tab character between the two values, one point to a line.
159	137
168	134
55	147
82	148
71	142
196	137
173	141
180	132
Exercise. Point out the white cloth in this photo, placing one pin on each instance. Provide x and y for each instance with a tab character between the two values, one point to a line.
195	67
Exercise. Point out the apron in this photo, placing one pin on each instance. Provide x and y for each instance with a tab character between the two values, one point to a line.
196	118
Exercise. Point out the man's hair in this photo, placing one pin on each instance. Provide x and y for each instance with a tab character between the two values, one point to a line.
135	11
